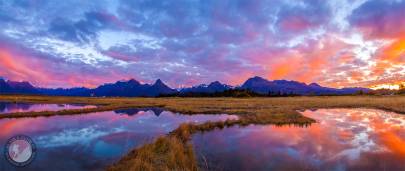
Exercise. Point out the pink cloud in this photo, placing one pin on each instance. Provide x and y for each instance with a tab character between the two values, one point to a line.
295	23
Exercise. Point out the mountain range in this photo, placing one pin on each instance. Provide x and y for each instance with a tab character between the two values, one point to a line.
133	88
17	87
213	87
263	86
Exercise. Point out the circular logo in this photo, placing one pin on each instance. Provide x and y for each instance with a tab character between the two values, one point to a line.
20	150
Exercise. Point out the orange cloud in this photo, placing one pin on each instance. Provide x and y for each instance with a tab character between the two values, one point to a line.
395	51
287	66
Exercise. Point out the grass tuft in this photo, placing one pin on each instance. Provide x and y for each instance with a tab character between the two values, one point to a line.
166	153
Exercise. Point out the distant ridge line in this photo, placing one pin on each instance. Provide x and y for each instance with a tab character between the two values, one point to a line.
133	88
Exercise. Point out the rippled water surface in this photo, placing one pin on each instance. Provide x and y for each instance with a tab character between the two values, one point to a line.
9	107
343	139
92	141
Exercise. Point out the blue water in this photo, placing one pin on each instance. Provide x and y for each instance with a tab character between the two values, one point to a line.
92	141
9	107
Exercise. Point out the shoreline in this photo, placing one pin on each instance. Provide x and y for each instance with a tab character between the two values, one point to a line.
262	111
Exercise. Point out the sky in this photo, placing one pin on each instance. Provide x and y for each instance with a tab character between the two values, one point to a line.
336	43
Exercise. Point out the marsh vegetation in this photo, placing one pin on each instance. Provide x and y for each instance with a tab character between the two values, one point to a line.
261	111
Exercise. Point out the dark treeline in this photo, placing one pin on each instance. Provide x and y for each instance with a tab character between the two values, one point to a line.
249	93
230	93
387	92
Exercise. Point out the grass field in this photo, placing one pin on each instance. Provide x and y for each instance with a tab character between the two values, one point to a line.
173	152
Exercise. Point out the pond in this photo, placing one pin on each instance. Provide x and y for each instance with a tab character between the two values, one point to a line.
10	107
92	141
342	139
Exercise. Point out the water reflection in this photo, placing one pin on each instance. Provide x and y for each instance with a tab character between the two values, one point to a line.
157	111
343	139
91	141
9	107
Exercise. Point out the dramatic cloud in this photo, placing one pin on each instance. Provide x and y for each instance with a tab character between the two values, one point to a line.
83	43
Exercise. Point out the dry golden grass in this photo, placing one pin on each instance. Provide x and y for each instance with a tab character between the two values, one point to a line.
255	109
166	153
173	151
79	100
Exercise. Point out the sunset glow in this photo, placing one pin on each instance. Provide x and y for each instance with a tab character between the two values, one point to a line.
387	86
336	43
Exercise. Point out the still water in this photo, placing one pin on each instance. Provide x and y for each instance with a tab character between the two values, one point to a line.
9	107
342	139
92	141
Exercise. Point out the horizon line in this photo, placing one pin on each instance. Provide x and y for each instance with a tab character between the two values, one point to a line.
179	87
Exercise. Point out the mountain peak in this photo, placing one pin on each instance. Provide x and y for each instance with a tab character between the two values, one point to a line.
159	82
133	81
215	83
255	81
257	78
160	88
24	84
3	84
17	87
314	85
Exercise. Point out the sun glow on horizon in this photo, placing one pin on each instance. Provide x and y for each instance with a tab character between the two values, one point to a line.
388	86
335	43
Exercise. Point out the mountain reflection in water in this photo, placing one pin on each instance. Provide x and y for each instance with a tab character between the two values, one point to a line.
10	107
157	111
92	141
342	139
